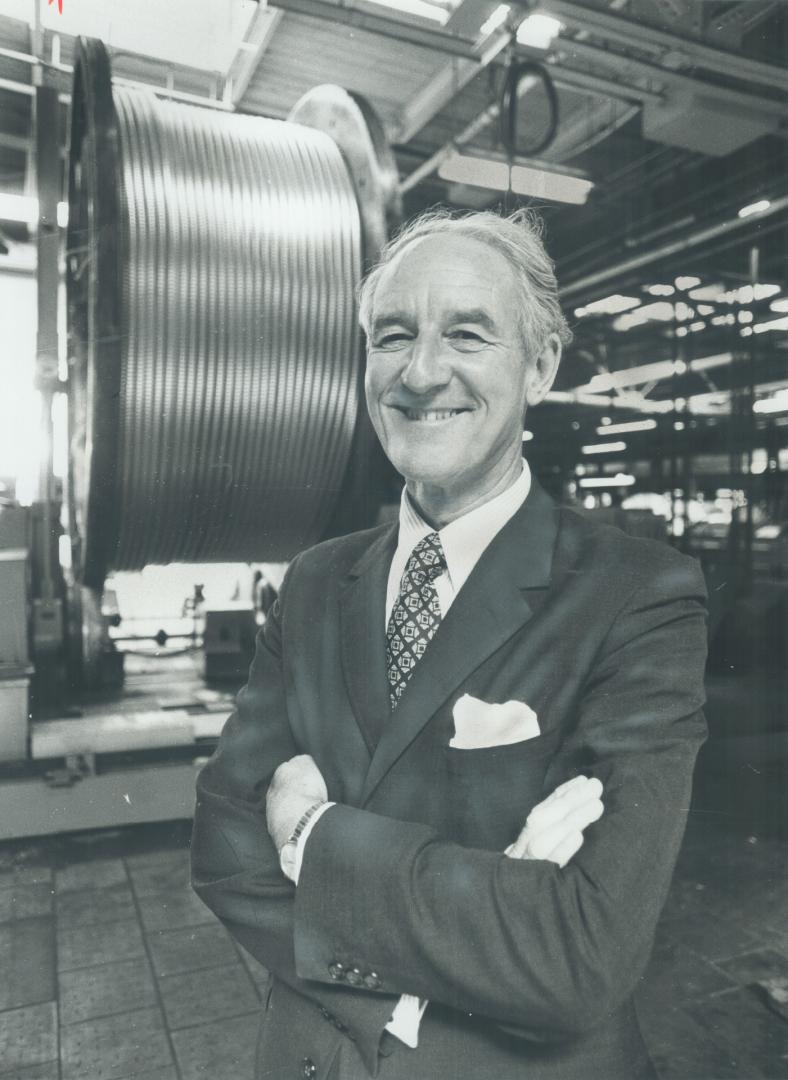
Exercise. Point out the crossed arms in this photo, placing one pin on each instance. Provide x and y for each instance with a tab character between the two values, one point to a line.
525	943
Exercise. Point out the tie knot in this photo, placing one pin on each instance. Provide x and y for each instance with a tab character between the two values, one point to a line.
427	560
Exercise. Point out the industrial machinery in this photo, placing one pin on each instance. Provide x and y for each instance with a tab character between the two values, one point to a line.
214	388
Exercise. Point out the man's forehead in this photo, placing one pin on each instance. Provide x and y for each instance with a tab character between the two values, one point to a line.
439	272
454	291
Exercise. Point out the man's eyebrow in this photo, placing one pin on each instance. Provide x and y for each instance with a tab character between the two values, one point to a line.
472	315
391	318
461	315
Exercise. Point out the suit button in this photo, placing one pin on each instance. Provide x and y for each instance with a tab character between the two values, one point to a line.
354	977
372	980
308	1069
336	970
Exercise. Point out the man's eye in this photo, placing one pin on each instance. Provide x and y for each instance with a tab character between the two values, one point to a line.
467	337
392	339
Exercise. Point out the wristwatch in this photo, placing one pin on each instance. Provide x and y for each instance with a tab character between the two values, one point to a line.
287	855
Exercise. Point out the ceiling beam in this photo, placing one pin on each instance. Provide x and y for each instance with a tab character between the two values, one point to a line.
444	86
250	52
612	88
610	58
455	75
686	50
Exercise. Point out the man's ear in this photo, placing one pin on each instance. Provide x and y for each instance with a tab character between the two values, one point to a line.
543	369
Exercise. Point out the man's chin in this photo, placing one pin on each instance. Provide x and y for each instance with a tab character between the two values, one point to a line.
419	474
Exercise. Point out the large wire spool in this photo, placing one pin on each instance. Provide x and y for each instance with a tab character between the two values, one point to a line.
216	367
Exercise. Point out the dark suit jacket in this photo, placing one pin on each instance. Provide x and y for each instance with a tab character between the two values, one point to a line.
404	888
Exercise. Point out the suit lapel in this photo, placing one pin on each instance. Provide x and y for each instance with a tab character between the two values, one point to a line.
362	607
491	607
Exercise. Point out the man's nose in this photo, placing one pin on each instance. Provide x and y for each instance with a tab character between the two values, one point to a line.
426	369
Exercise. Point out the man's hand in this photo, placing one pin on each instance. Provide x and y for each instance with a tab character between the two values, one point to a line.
296	785
554	829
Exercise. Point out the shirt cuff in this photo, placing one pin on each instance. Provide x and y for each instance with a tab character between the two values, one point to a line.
406	1019
305	834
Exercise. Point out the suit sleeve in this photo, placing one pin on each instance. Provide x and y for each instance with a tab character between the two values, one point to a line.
547	951
235	867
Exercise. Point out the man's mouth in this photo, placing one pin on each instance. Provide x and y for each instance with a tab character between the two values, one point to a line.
429	416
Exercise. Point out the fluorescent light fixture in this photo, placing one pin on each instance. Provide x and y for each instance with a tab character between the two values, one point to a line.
681	331
539	31
707	292
687	282
626	428
660	290
755	208
604	448
678	425
659	311
776	403
619	480
746	331
705	309
541	182
773	324
24	208
498	18
747	293
779	305
528	436
759	464
608	305
746	317
699	325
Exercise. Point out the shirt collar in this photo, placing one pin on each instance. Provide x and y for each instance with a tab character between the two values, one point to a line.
464	539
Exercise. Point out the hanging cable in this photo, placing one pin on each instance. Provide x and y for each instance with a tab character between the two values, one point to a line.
509	111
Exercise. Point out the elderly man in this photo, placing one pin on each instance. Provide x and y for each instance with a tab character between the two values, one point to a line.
393	822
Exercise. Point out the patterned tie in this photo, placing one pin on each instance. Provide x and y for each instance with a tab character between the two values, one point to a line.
416	614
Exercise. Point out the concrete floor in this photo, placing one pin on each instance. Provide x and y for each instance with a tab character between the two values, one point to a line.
110	968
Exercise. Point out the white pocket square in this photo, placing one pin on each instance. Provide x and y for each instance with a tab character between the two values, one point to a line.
478	724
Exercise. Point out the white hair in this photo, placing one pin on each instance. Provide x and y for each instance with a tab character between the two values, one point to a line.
518	237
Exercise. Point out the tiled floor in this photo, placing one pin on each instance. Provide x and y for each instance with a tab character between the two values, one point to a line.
110	968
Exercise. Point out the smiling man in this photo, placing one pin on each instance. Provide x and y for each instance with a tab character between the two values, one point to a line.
403	820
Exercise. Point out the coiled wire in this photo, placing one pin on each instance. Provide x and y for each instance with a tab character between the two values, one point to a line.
239	381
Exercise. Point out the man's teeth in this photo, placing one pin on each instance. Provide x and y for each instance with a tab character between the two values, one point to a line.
431	414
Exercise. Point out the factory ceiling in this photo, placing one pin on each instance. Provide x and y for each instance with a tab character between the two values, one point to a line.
673	110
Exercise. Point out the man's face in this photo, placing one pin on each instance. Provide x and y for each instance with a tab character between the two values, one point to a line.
447	376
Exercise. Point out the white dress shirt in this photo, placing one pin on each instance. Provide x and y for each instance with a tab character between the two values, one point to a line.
464	541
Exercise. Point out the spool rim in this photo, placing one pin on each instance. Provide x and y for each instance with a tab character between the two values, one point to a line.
93	258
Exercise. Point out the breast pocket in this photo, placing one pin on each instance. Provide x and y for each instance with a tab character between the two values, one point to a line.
492	790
